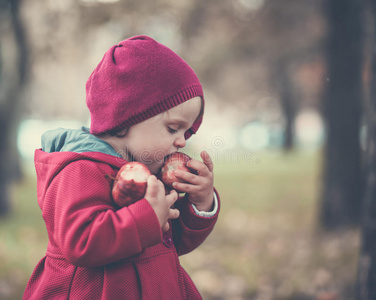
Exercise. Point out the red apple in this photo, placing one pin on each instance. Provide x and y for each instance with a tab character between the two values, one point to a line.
174	161
130	183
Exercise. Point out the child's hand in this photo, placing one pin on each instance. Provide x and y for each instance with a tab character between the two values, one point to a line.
161	203
199	188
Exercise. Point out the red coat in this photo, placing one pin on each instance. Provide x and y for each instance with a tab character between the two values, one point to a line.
98	251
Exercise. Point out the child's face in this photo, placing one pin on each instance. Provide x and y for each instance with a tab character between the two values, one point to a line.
151	140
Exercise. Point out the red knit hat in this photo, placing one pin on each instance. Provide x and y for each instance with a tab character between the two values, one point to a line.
136	80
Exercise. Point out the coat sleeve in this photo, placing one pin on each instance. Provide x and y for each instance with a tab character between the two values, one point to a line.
191	230
84	223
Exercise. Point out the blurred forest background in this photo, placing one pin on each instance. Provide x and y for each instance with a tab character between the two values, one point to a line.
290	122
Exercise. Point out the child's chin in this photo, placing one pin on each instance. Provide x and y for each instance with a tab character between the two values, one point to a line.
155	168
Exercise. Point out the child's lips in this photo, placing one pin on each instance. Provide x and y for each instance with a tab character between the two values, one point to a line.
169	155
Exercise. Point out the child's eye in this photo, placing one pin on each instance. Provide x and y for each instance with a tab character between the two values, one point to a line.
171	130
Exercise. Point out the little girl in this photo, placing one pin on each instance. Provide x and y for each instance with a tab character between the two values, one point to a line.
144	102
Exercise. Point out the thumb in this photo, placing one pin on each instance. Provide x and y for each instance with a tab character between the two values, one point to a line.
151	188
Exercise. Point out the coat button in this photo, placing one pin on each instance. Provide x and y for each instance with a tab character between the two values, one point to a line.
167	240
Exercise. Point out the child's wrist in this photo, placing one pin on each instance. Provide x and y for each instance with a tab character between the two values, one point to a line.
205	206
207	214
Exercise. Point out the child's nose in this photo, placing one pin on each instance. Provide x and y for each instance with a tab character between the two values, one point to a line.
180	142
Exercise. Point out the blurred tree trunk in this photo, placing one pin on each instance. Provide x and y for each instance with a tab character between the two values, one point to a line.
342	190
366	279
13	70
283	83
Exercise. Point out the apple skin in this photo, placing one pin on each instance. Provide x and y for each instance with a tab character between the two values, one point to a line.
174	161
130	183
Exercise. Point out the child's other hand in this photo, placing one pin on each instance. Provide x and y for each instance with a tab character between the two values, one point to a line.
199	188
161	203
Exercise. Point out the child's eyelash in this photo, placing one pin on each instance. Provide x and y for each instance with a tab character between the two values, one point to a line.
171	130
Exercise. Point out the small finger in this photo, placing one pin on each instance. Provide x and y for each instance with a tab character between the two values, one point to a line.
172	196
160	187
152	179
152	187
174	213
166	227
183	187
198	166
207	160
186	176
